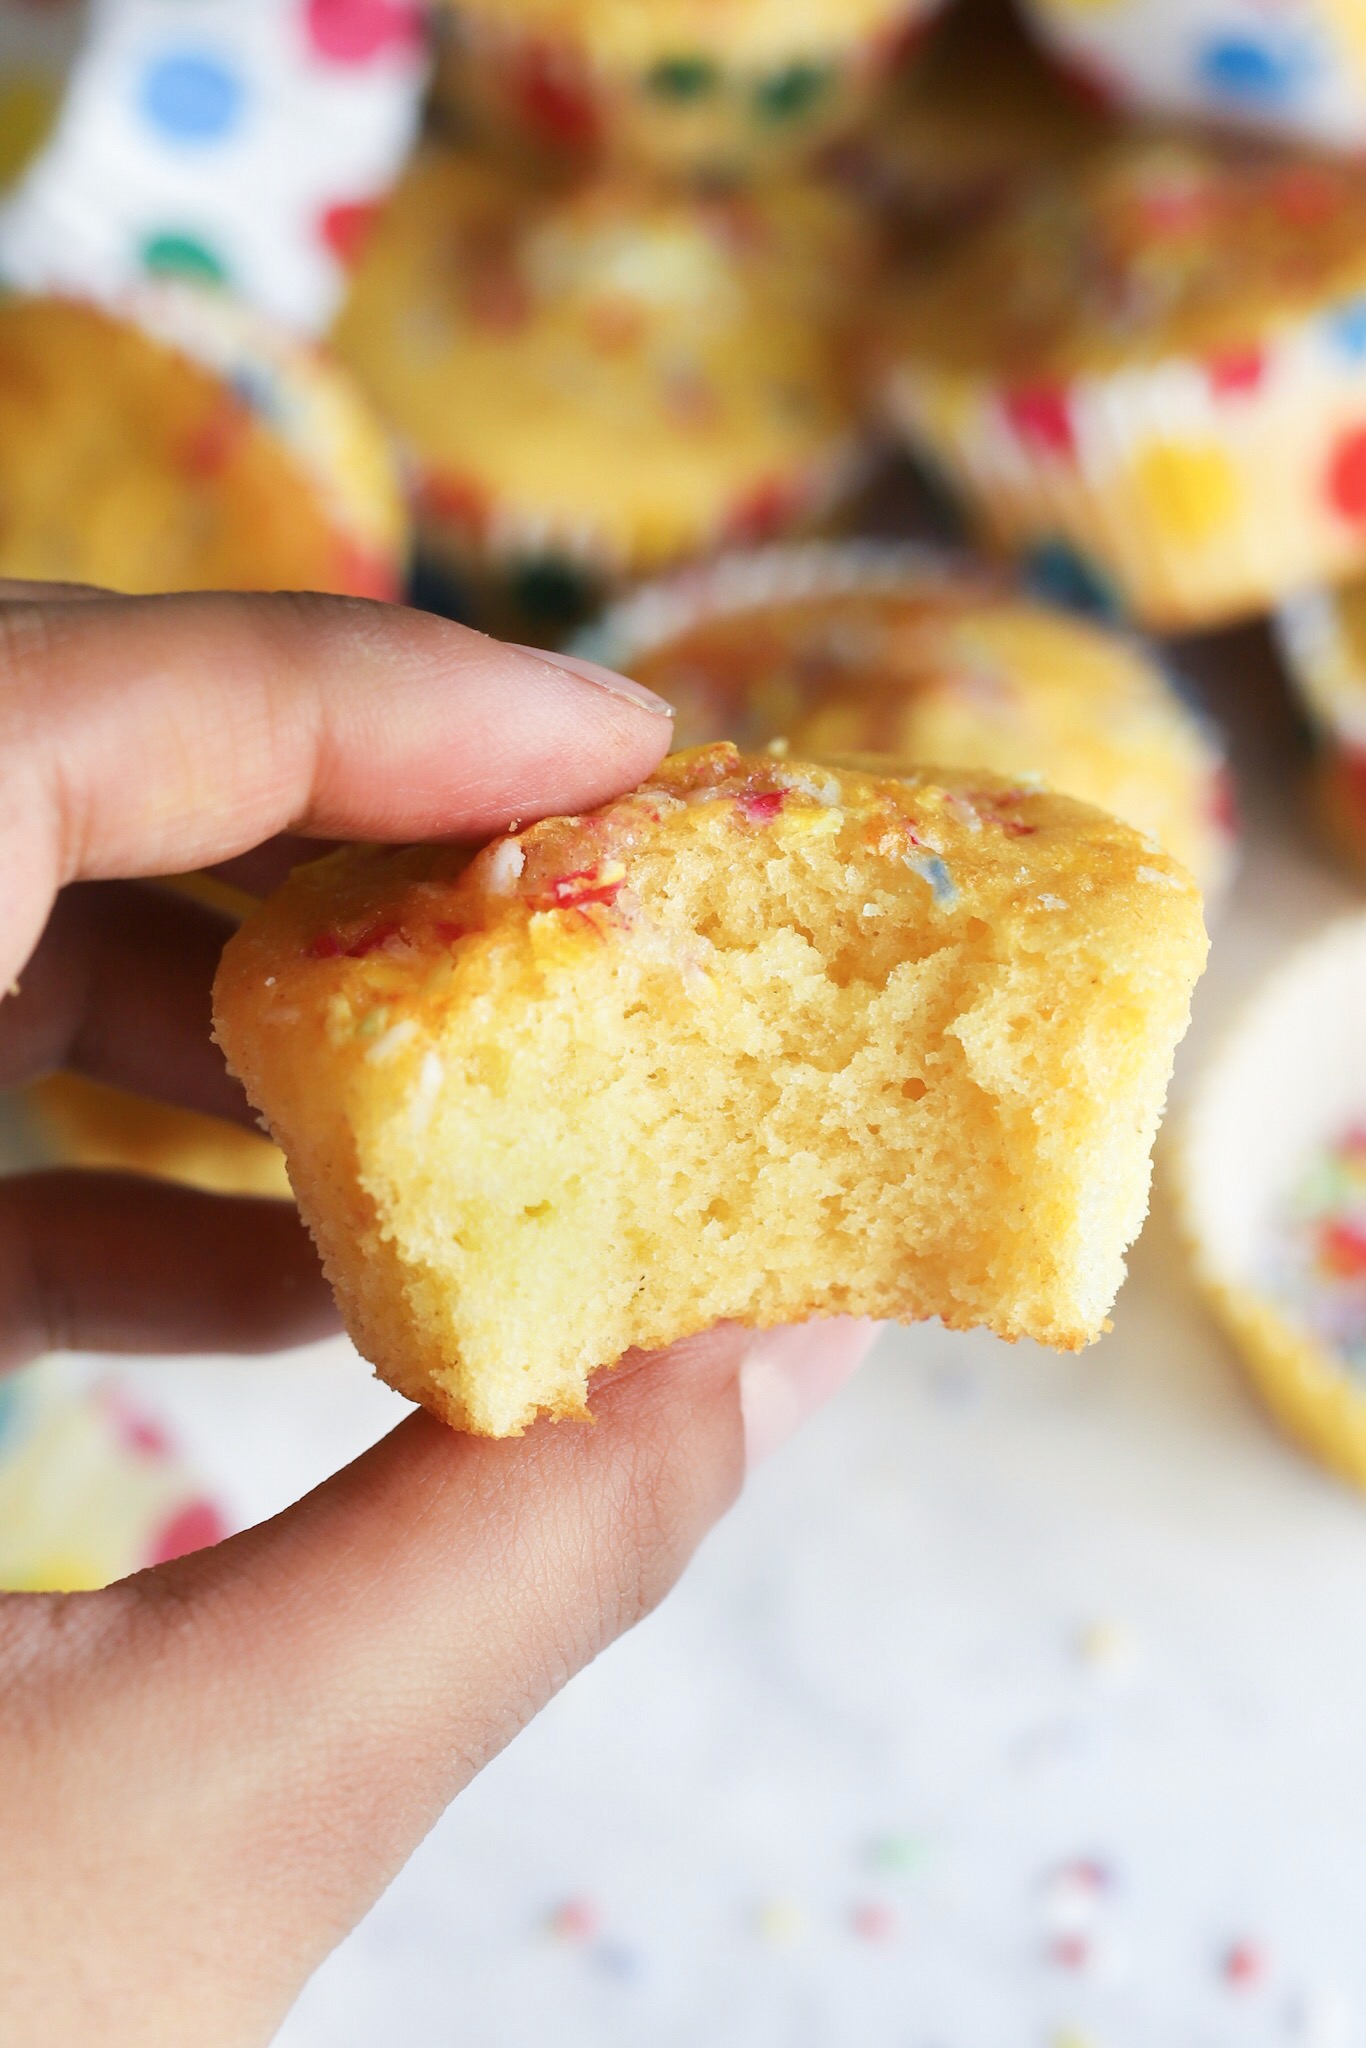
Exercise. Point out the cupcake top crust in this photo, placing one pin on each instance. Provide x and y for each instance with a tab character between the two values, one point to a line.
1153	247
611	370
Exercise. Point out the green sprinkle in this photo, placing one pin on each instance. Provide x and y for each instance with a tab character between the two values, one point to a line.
177	255
683	78
900	1853
789	94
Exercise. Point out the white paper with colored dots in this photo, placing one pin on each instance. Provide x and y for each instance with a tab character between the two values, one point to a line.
240	141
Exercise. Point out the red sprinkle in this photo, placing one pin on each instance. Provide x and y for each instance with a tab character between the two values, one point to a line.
872	1922
1342	1250
1015	828
374	936
575	1920
1070	1952
761	806
327	946
571	892
1244	1965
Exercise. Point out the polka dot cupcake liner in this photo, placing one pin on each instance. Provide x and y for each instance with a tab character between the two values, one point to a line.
793	643
91	1488
1186	493
1322	639
722	90
1297	68
1270	1172
246	146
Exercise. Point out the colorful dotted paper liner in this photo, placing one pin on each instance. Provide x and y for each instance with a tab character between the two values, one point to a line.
245	145
91	1487
1297	67
1270	1175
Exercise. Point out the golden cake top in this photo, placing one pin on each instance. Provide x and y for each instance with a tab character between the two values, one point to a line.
1155	245
606	359
638	34
166	451
374	934
949	667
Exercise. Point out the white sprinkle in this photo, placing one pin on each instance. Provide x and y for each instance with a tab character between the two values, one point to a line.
505	865
1047	902
270	981
430	1076
871	910
1163	879
391	1041
778	748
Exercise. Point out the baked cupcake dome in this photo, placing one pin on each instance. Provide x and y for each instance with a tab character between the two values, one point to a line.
1153	374
725	86
182	444
762	1040
1298	68
1271	1180
604	381
899	651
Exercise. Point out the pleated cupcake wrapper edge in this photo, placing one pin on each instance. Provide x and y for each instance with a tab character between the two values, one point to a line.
1189	505
1287	1074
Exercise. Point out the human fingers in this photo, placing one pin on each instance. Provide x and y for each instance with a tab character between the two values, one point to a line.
278	1722
143	736
121	1262
118	989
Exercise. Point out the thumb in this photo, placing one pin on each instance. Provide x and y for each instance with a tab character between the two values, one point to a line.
256	1738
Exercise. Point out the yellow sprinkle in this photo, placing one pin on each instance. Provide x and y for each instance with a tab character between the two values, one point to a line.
781	1920
814	823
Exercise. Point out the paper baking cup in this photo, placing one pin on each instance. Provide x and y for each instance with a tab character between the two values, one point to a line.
1296	68
1325	660
1288	1082
693	103
313	408
91	1490
1186	493
1166	774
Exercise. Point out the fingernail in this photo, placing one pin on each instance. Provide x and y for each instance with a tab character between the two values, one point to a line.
602	678
788	1374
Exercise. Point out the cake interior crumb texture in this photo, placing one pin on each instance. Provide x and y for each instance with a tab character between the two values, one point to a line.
761	1041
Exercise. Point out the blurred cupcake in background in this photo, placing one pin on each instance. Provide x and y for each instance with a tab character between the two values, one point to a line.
91	1489
689	87
1322	639
38	47
871	648
1271	1178
590	384
1149	376
955	132
182	443
1295	67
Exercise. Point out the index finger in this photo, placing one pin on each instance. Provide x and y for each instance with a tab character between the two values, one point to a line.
145	736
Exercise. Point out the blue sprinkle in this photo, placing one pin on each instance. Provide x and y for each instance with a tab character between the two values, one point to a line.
1347	326
1237	68
932	870
617	1960
192	96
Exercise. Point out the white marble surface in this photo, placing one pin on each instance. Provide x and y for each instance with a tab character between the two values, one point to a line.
994	1613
